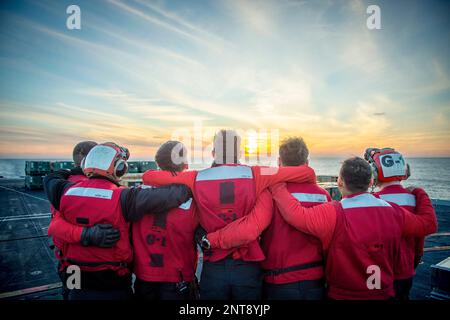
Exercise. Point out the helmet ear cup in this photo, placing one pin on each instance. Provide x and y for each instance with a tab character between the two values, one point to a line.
120	168
408	171
374	172
83	164
368	156
126	152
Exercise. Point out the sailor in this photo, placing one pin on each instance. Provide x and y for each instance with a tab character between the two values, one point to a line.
224	193
294	266
389	169
79	152
360	235
165	256
100	200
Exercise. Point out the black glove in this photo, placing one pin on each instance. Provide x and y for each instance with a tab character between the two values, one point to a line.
63	173
187	191
201	239
100	235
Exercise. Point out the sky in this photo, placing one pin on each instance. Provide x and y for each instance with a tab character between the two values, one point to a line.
140	72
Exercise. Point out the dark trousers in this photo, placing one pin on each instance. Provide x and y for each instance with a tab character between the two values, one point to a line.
230	279
87	294
301	290
62	275
402	288
102	285
148	291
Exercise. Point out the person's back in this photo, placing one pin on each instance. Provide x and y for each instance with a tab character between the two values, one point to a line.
292	255
165	255
226	193
86	204
390	169
294	265
366	240
406	265
398	194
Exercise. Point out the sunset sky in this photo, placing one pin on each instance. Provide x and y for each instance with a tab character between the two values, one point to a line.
138	71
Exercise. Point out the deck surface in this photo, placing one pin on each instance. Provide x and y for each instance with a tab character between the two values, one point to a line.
28	265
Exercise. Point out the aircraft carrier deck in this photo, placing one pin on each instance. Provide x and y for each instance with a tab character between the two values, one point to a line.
28	265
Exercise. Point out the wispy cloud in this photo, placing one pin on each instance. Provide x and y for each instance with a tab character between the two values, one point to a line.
209	36
137	71
158	22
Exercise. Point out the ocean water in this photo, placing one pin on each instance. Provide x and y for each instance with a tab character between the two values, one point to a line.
432	174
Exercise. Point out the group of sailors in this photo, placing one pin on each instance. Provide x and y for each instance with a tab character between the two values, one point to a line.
264	232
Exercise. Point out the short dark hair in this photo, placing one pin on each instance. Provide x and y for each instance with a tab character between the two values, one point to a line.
164	159
81	150
293	152
227	145
356	173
